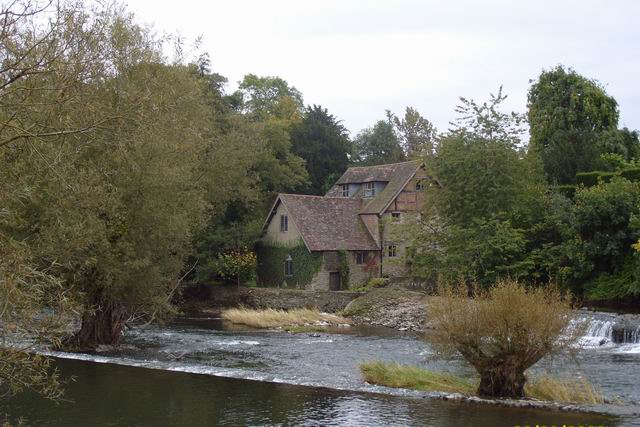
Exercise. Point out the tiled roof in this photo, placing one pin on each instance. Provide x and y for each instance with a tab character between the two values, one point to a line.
329	223
383	173
396	175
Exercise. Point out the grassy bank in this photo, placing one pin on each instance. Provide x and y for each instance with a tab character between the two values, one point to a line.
563	390
297	320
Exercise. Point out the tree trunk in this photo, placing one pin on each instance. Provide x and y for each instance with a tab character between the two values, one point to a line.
503	379
102	325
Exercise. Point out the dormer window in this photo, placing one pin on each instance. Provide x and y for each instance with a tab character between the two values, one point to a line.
284	223
345	190
369	189
420	185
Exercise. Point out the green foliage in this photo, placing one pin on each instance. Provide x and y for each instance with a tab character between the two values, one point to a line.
323	142
377	145
589	179
376	282
345	271
623	283
416	134
487	217
264	97
568	115
239	264
632	174
566	190
599	244
271	260
621	142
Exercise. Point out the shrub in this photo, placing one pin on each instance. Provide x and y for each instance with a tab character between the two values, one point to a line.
377	282
632	174
502	331
589	179
566	190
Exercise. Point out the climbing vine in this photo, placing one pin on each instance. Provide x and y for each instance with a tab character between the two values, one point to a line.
345	272
271	259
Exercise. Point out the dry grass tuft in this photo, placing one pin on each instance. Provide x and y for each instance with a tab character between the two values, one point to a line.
393	374
564	390
270	318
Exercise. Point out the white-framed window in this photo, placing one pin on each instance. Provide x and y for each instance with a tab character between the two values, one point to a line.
284	223
421	185
345	190
369	189
288	266
361	258
392	250
395	216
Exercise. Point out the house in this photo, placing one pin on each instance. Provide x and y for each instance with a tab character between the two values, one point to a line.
350	235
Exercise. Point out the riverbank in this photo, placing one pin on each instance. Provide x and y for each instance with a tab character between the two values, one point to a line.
391	307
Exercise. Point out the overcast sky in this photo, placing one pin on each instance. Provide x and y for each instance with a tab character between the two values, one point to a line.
358	58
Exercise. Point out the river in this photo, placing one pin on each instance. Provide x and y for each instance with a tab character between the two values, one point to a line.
200	371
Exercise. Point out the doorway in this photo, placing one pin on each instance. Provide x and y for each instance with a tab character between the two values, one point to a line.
334	281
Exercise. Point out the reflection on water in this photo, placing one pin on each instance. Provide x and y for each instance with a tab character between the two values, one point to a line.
113	395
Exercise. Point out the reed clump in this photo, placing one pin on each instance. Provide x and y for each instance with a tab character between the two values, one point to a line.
271	318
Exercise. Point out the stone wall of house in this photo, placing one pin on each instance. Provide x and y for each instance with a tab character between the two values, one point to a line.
358	273
397	231
320	281
362	273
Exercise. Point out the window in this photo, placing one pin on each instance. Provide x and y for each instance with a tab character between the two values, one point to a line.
420	185
288	266
345	190
391	250
369	189
284	223
361	257
395	216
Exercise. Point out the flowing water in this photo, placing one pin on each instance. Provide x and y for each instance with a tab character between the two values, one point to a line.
203	372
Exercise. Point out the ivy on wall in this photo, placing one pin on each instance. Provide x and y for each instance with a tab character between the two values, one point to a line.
345	272
271	259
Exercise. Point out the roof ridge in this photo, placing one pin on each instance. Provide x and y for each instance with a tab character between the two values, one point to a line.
317	197
384	164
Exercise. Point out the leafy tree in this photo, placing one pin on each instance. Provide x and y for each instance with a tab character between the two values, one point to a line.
620	142
264	97
322	141
377	145
417	135
567	115
107	210
239	264
477	224
259	164
605	225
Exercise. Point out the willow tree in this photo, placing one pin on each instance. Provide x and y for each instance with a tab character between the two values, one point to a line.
101	161
568	115
503	331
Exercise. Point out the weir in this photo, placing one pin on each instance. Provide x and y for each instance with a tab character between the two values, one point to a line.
615	330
